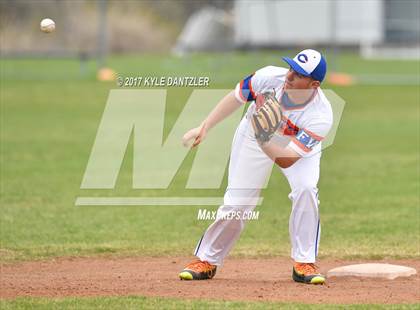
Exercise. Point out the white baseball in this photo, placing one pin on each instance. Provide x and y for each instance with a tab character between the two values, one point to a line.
47	25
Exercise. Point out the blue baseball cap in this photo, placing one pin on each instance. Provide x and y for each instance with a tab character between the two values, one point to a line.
309	63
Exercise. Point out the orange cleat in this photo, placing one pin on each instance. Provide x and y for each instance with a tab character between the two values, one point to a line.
307	273
198	270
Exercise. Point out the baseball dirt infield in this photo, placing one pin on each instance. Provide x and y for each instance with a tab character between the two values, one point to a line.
239	279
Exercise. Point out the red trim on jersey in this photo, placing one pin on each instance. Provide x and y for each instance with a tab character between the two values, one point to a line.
300	145
314	135
289	128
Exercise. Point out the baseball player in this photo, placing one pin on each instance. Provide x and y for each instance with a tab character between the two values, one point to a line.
285	123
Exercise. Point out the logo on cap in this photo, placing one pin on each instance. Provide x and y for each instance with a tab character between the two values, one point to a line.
302	58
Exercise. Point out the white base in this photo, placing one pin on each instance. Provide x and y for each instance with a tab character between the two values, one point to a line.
387	271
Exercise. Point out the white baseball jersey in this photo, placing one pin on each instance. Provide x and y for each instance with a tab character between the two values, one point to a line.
306	124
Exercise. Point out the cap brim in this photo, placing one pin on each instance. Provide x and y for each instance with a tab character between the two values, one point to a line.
294	65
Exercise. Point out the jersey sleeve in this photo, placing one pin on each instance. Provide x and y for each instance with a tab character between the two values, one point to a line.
310	136
244	91
259	82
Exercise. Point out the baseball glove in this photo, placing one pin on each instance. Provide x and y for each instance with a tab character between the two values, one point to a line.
267	118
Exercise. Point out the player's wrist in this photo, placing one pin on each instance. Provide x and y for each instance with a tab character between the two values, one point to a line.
205	125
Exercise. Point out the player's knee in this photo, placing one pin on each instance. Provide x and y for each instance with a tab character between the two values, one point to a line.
306	189
241	199
304	193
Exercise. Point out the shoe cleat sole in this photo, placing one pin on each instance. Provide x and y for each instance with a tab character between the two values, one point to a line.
185	275
317	280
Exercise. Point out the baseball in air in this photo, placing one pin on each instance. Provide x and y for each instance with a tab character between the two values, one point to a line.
47	25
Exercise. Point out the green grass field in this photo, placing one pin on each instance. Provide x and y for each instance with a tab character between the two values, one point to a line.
369	186
136	302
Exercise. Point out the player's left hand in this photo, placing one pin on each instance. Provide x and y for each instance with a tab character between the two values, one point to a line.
197	134
267	118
